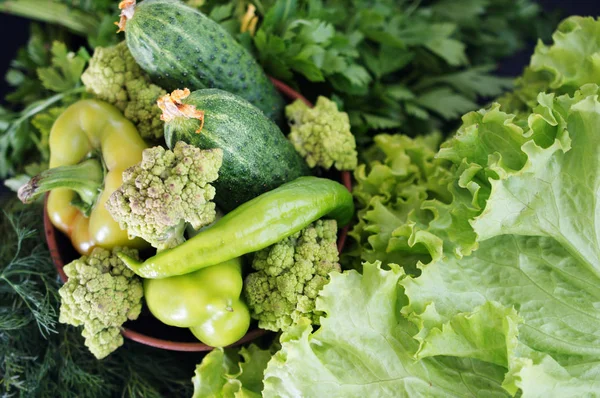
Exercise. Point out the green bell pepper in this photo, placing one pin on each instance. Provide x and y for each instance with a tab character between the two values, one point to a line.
206	301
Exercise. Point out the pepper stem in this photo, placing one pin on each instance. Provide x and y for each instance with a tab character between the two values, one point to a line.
85	178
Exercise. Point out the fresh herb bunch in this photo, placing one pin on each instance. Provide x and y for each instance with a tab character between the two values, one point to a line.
45	74
45	77
40	357
391	64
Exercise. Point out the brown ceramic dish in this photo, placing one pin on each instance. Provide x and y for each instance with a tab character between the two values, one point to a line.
147	329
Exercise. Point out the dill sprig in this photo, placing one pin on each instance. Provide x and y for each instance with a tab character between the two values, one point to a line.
40	357
28	287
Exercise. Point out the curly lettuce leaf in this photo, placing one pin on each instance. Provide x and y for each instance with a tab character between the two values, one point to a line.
574	58
231	373
468	308
364	348
410	209
538	260
543	181
570	62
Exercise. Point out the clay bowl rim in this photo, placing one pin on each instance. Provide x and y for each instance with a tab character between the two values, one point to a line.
51	232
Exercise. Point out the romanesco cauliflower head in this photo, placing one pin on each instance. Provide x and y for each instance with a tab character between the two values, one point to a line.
290	275
101	294
322	134
166	190
115	77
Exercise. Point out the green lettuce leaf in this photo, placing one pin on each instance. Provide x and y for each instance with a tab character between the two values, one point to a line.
364	348
231	373
528	298
572	61
400	175
413	206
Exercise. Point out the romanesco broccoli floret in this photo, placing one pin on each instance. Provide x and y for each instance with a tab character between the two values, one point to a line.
322	134
115	77
101	294
166	190
290	275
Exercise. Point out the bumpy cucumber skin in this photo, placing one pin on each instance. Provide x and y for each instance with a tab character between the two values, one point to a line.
179	47
256	155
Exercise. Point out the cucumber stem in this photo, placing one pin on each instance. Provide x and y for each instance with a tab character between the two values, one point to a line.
85	178
55	13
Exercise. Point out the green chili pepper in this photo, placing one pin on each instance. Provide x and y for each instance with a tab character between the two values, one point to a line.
252	226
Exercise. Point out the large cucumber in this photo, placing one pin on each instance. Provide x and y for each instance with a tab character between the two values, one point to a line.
256	155
179	47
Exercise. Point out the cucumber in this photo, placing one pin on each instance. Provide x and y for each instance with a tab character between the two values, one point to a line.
257	157
179	47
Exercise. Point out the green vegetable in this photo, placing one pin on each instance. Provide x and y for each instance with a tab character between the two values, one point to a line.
91	144
547	174
396	191
256	155
365	348
115	77
179	47
65	72
290	275
166	190
563	67
392	64
254	225
207	301
101	294
322	134
229	373
502	206
40	357
47	75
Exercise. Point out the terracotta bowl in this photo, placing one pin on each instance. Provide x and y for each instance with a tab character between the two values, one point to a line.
147	329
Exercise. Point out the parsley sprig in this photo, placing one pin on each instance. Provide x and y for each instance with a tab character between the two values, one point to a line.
391	64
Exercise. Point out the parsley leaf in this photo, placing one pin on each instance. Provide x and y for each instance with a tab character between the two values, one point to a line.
445	102
66	68
403	64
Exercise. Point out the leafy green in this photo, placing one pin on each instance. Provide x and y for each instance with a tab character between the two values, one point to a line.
569	63
40	357
22	75
232	373
66	68
44	76
365	348
390	63
20	143
534	189
489	28
28	286
571	60
399	176
508	258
